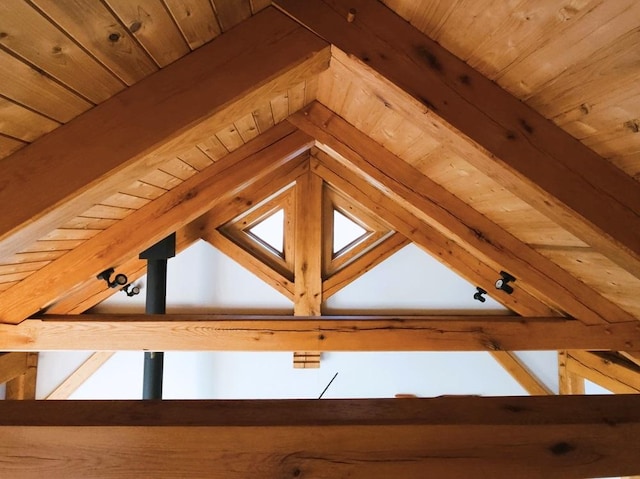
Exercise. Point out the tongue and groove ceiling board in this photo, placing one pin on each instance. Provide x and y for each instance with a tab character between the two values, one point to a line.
517	192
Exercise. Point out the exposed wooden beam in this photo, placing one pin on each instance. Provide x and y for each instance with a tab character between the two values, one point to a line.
259	161
92	292
307	298
12	365
332	333
24	386
429	201
569	382
363	264
605	371
80	375
157	118
426	237
633	356
559	437
530	155
521	373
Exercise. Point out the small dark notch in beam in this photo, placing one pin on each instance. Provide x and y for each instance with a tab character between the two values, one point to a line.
511	135
465	79
426	102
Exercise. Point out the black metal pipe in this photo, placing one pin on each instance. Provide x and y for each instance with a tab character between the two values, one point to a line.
156	303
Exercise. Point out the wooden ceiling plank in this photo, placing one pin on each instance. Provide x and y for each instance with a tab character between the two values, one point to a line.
144	227
25	85
372	438
426	237
113	332
35	39
405	185
521	373
77	378
153	27
605	372
12	365
95	27
196	20
155	119
23	124
10	145
533	157
24	386
231	12
363	264
196	158
21	267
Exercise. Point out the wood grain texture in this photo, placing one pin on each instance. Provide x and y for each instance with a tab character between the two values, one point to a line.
329	333
594	200
252	163
568	381
12	365
163	118
521	373
23	387
605	370
427	200
375	439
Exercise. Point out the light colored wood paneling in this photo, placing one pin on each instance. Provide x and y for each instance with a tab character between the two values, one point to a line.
196	20
230	138
123	200
196	158
600	273
9	145
44	246
27	86
82	222
93	25
263	117
247	127
153	27
21	123
71	234
160	180
143	190
178	168
8	269
108	212
32	37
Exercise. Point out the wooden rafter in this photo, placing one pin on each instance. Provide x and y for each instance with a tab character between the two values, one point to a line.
258	161
530	155
406	186
80	375
536	436
296	333
12	365
605	370
426	237
154	120
521	373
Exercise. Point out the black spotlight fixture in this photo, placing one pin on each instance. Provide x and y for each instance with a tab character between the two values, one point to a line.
503	282
479	294
131	289
119	280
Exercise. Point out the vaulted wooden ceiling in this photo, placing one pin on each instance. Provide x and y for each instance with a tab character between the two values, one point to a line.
470	173
497	136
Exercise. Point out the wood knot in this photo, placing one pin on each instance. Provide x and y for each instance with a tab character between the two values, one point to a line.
114	37
135	26
561	448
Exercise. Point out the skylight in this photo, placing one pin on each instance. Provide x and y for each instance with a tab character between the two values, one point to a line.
345	231
271	231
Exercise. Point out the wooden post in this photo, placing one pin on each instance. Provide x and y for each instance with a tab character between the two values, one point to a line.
24	386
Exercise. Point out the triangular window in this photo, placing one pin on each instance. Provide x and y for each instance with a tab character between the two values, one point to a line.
270	231
345	231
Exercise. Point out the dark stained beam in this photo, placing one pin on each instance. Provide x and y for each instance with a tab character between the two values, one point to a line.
559	437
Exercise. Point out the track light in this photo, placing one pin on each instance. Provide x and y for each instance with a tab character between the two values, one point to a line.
131	289
479	295
503	282
119	280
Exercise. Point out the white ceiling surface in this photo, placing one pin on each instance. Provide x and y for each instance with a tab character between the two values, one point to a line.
201	279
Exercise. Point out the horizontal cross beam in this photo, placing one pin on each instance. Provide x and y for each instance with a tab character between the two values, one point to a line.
306	333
